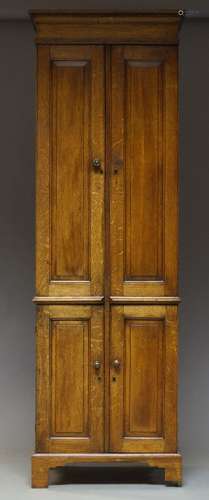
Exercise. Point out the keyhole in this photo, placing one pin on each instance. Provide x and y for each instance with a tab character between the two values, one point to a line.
114	379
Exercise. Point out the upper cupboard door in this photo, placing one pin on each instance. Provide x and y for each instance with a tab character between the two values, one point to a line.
70	186
144	184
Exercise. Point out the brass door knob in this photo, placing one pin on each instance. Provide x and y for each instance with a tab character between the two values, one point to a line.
116	364
97	365
97	165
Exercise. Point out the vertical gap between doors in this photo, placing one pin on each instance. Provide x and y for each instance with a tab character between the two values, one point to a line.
107	56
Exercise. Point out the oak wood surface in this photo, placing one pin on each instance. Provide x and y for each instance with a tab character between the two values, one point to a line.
109	28
71	160
144	300
170	462
70	391
69	191
143	405
107	241
94	299
70	377
144	168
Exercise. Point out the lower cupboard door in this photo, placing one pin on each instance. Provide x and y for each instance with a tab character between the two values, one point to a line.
70	379
143	379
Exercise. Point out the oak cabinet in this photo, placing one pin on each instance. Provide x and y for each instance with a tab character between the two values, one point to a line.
106	241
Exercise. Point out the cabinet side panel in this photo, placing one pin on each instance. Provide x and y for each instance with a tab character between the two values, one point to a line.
42	172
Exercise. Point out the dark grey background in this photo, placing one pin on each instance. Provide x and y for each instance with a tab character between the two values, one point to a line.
17	146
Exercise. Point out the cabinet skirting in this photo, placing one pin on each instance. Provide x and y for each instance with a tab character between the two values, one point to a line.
170	462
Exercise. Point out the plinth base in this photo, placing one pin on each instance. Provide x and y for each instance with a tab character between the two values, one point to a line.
170	462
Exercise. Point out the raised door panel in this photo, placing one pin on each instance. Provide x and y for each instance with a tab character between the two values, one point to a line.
70	192
143	377
70	390
70	231
143	383
70	377
144	184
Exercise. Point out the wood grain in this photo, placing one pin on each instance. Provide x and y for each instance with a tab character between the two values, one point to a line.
143	372
143	300
70	392
70	193
71	163
144	180
94	299
143	398
170	462
131	27
106	241
70	378
143	171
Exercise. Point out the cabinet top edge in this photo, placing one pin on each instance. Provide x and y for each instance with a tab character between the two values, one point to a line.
39	15
105	11
57	26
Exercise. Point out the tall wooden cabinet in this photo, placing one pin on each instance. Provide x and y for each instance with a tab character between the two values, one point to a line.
107	240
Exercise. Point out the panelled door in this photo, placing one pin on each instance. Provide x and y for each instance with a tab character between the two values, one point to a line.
144	187
143	354
70	187
70	379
